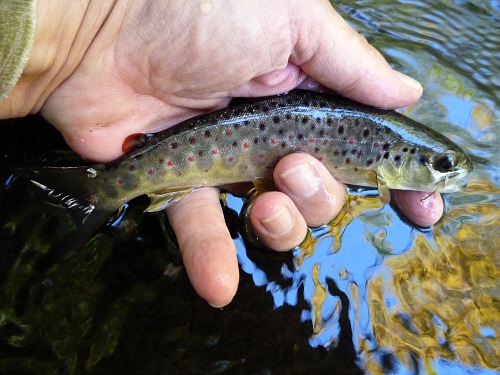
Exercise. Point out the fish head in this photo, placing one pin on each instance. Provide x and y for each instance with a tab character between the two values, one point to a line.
428	169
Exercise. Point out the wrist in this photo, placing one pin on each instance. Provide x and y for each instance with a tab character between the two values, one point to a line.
63	34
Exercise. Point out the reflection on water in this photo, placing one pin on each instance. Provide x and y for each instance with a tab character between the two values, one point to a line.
367	292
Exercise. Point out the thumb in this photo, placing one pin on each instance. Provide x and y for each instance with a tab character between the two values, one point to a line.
335	55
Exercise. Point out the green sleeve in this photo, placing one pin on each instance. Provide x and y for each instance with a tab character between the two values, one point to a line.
17	30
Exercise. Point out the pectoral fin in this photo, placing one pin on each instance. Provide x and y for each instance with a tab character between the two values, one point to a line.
161	200
263	184
384	194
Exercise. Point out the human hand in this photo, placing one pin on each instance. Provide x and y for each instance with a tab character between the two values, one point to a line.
127	67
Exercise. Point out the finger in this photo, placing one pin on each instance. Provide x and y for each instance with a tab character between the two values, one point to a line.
315	193
331	52
208	252
276	222
420	207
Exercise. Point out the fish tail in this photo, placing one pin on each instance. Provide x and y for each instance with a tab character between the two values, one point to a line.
73	190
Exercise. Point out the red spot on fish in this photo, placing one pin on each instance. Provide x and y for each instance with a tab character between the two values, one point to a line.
229	132
376	144
133	140
320	158
273	141
120	182
214	152
262	156
170	163
230	159
245	167
191	158
311	140
291	137
246	145
151	171
351	141
132	168
135	186
325	142
206	170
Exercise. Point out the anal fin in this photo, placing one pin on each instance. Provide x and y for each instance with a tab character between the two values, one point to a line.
161	200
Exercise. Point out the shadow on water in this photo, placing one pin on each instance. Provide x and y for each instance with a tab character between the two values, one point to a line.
366	294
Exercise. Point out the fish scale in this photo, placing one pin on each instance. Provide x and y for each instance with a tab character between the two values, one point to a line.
358	144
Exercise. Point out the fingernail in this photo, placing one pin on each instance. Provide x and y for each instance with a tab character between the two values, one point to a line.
279	223
300	180
408	81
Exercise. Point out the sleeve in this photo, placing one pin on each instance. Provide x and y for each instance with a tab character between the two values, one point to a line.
17	31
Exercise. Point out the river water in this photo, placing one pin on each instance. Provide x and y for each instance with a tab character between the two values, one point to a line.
367	293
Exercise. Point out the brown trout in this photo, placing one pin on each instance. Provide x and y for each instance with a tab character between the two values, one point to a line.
360	145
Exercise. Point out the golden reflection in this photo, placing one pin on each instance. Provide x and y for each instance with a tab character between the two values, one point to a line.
447	290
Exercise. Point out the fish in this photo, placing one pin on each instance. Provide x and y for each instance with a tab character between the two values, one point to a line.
360	145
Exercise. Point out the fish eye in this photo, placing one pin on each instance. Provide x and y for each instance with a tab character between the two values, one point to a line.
444	163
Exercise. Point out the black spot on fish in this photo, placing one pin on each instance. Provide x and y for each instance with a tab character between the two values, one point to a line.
262	126
336	153
306	102
379	157
305	120
235	144
366	133
201	153
283	145
360	154
423	160
226	115
386	146
316	149
207	134
355	169
341	129
288	116
300	136
397	158
353	151
405	149
264	139
280	131
174	145
276	119
413	150
322	104
369	162
347	160
321	133
246	122
387	131
265	109
344	152
329	121
256	140
378	129
313	126
386	155
192	140
356	122
318	120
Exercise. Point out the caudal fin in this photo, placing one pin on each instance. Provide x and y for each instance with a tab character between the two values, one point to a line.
72	190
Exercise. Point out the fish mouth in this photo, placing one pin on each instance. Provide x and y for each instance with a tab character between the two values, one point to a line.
453	182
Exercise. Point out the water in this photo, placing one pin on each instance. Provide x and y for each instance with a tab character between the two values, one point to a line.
368	293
